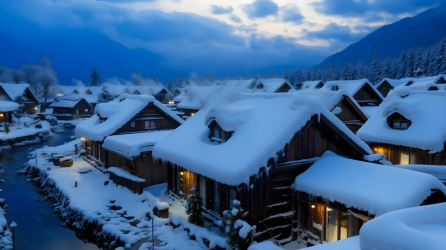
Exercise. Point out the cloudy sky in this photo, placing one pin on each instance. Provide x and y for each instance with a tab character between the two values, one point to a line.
255	35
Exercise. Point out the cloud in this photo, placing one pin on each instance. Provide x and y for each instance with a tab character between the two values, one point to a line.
218	10
186	42
338	35
292	14
261	8
367	9
235	18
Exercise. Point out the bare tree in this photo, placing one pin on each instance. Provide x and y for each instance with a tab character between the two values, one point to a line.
30	74
5	74
17	75
45	81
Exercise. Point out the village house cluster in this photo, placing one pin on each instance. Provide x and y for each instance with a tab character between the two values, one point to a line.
311	165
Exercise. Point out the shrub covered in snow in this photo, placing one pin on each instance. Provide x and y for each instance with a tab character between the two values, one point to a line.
194	208
238	231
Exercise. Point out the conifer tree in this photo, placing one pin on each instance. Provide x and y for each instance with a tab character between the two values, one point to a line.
105	96
95	79
375	69
194	208
233	226
154	78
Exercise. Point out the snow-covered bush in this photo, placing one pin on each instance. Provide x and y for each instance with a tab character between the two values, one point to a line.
194	208
238	231
105	96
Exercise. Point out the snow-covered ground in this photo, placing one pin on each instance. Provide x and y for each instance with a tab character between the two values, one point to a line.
5	233
120	213
20	131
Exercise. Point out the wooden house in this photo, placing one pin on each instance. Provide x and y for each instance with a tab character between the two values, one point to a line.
361	90
133	153
408	128
128	114
251	149
6	109
424	83
341	104
10	92
192	99
68	108
336	196
272	85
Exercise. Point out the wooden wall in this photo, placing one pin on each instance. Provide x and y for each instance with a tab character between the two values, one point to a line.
385	88
284	88
366	93
152	172
393	154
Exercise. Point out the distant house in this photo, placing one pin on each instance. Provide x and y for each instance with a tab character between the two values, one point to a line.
239	84
158	91
67	108
272	85
341	104
424	83
10	92
312	84
133	153
127	115
250	148
336	196
409	128
6	109
192	99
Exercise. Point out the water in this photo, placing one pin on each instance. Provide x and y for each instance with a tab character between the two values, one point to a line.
38	226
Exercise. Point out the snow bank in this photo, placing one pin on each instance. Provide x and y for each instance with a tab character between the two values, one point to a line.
263	124
270	85
266	245
118	113
124	174
351	243
194	97
423	109
417	83
21	131
408	229
369	187
132	145
6	106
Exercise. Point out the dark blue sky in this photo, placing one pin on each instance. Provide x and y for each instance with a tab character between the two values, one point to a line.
221	37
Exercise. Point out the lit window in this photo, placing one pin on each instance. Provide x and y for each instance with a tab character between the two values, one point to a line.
59	94
86	110
404	160
151	124
171	102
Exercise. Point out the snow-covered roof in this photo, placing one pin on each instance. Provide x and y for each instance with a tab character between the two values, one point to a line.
68	90
270	85
409	229
426	113
6	106
263	124
422	83
146	89
311	84
15	90
396	82
194	97
66	102
132	145
246	84
352	86
438	171
118	113
373	188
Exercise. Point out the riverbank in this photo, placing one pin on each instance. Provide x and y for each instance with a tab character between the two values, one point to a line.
24	135
109	215
5	232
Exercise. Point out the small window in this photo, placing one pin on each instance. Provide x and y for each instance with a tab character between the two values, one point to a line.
433	88
335	88
320	85
151	124
132	124
216	133
86	110
397	121
409	83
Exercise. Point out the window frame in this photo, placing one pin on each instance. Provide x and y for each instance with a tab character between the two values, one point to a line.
149	126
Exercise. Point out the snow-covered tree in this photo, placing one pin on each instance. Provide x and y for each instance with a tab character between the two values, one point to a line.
239	232
17	75
194	208
209	79
375	69
21	109
95	79
359	71
105	96
348	72
410	65
327	74
386	68
154	78
46	80
270	74
136	79
439	66
5	74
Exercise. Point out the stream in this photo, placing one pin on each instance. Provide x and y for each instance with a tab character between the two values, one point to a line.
38	225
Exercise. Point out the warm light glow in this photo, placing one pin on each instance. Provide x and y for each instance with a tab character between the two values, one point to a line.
1	114
82	139
171	102
59	94
35	108
191	114
181	173
313	206
376	149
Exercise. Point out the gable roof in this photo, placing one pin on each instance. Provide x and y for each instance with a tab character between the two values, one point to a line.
395	82
311	84
245	84
194	97
422	83
7	106
15	90
262	125
352	86
373	188
67	102
426	112
270	85
118	113
132	145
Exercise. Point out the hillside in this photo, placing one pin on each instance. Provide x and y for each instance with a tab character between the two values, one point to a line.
424	29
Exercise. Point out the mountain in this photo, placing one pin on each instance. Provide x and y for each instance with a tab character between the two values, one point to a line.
422	30
75	52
